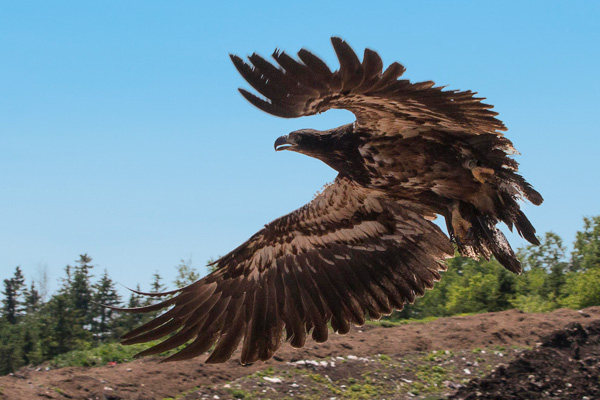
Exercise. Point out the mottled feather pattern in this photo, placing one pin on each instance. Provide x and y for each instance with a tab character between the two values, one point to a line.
290	275
365	245
380	101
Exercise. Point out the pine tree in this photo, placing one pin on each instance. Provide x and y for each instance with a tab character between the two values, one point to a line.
157	286
66	317
33	299
63	329
31	344
12	308
104	318
128	321
81	291
11	343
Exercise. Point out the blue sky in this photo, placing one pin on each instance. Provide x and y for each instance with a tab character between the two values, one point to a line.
122	133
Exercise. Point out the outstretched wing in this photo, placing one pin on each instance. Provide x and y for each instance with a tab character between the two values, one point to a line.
380	101
346	254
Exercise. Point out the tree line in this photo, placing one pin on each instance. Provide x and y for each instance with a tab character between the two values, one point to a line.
33	329
551	279
74	318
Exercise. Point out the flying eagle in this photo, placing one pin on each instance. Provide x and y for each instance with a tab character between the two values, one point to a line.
365	245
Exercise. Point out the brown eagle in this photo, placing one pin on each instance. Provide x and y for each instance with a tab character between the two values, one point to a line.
365	245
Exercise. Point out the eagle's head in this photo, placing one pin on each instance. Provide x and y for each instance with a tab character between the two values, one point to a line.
306	141
335	147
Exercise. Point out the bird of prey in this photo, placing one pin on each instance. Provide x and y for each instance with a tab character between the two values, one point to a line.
365	245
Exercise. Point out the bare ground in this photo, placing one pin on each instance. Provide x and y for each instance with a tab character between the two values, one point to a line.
500	355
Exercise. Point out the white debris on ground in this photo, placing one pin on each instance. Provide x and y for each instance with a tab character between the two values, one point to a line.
330	364
272	379
352	375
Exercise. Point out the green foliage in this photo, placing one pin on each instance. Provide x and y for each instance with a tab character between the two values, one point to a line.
157	286
99	355
73	328
239	394
12	304
469	286
533	303
64	329
432	376
548	282
390	323
211	264
586	253
79	289
582	289
33	299
104	319
128	321
480	288
186	274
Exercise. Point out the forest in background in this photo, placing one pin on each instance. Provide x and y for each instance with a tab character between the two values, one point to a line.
34	329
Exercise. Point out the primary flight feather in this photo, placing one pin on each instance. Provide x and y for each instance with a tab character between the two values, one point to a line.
365	245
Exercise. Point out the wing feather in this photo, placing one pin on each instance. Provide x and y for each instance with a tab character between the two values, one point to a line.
348	253
380	101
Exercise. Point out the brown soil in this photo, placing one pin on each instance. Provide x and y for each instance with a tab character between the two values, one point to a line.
421	360
565	366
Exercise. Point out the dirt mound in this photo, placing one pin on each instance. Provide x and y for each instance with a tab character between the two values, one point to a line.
399	357
565	366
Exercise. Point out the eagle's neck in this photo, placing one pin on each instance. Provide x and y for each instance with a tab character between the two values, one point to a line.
340	151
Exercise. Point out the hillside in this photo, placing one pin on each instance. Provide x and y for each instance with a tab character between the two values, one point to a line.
420	360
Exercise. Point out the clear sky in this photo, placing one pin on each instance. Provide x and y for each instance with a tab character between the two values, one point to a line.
122	133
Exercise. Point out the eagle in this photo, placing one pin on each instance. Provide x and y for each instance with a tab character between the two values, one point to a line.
366	245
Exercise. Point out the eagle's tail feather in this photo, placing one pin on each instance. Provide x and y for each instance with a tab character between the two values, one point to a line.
484	239
510	213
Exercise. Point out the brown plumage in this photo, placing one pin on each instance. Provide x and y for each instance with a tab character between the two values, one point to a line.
365	245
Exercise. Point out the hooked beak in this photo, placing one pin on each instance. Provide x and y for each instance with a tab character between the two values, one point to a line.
284	143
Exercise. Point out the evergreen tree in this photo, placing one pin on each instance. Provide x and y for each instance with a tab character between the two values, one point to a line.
12	304
128	321
31	345
62	325
80	290
157	286
66	316
103	318
11	344
9	303
33	299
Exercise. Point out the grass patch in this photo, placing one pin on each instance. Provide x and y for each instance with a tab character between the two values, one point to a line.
386	323
240	394
439	355
101	355
268	372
